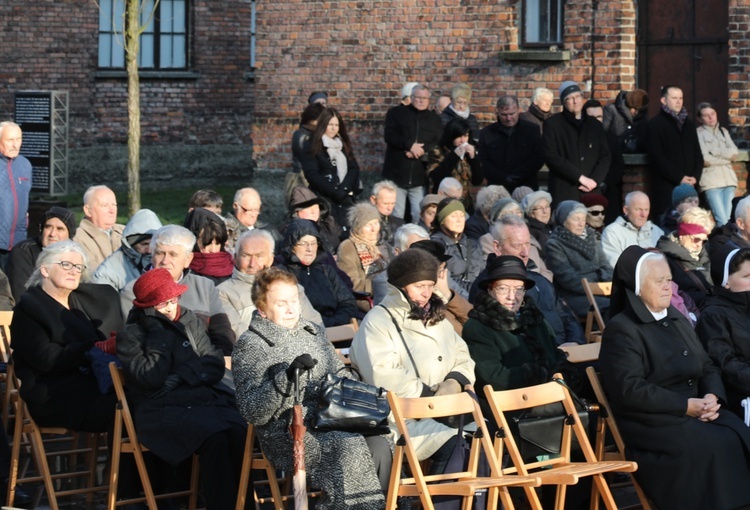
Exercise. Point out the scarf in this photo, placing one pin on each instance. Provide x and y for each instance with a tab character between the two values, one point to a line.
369	255
463	115
333	146
214	265
679	117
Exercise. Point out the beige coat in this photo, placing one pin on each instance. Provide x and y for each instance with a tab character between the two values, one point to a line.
718	151
380	356
98	245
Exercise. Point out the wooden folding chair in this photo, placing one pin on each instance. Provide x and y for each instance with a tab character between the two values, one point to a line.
559	471
25	426
341	337
606	421
464	483
8	378
593	289
131	445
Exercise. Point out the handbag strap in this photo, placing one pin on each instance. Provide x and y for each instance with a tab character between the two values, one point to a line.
401	334
580	403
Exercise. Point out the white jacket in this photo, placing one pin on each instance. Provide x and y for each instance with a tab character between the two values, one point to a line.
379	354
718	150
621	233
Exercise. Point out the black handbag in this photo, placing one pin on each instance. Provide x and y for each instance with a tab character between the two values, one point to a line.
352	406
538	431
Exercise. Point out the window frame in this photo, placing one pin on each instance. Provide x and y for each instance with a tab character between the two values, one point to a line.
560	7
157	31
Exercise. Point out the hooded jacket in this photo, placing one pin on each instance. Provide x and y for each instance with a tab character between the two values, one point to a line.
329	228
323	286
126	264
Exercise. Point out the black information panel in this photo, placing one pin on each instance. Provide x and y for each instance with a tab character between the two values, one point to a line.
33	114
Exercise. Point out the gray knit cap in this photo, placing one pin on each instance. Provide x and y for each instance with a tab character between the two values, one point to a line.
530	200
566	208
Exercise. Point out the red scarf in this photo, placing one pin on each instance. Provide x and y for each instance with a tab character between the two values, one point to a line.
214	265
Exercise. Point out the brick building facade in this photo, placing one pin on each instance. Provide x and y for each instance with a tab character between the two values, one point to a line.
195	120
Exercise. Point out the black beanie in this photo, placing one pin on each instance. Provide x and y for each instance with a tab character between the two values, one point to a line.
411	266
65	215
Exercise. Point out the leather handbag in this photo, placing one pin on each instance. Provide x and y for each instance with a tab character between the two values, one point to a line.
352	406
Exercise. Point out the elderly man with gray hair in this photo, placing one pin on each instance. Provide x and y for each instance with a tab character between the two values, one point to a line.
540	108
172	249
410	133
15	176
253	252
633	227
99	233
510	149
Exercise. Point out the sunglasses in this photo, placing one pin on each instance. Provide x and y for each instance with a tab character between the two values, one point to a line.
596	213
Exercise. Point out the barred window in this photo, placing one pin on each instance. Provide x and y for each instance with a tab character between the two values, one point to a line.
542	22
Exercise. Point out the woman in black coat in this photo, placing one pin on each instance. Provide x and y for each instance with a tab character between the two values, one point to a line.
174	374
330	166
56	324
667	396
302	254
724	324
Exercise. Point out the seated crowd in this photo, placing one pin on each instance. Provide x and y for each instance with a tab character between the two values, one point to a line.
483	286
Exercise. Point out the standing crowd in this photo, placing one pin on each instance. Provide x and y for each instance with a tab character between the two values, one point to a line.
459	268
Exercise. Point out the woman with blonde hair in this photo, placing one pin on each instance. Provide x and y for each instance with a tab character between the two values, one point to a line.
459	109
687	251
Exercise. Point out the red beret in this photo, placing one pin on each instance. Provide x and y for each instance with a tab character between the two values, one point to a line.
154	287
593	199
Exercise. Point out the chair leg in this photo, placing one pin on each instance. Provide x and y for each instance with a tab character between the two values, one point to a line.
247	462
14	457
604	492
37	444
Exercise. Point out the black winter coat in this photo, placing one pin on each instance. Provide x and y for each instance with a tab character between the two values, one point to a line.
650	368
404	126
321	173
618	121
21	262
327	293
724	330
571	149
690	275
49	344
174	422
448	115
511	160
672	154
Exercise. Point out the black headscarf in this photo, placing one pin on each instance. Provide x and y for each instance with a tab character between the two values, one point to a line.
623	278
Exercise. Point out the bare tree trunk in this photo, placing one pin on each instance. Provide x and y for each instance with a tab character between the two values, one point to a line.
134	106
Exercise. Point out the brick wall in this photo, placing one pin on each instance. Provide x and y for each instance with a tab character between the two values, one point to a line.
363	52
739	71
53	44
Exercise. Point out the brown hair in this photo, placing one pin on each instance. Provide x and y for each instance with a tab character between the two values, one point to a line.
316	140
263	281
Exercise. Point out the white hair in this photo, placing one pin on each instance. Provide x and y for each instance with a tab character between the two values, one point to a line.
401	236
52	253
487	197
258	233
380	186
173	235
88	196
632	196
742	208
541	91
497	229
449	186
6	123
242	192
642	271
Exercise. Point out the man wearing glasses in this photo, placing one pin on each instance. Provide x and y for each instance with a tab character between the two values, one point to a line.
633	227
244	216
575	148
411	131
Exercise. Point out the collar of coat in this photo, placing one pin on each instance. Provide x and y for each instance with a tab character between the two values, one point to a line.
643	314
585	246
272	333
491	313
725	297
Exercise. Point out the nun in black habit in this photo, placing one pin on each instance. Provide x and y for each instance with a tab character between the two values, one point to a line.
667	396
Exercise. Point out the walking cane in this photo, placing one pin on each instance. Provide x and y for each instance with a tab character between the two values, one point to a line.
298	429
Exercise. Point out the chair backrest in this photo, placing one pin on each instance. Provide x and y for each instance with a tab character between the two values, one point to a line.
341	337
556	391
606	419
577	353
5	319
123	409
437	407
593	289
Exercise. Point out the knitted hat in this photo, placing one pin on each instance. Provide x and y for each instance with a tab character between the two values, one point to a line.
637	99
447	206
429	200
530	200
566	208
406	89
62	214
520	192
499	206
567	88
317	95
592	199
681	193
362	214
435	248
506	267
412	266
154	287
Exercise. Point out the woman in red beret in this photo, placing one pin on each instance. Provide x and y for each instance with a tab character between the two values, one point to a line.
174	374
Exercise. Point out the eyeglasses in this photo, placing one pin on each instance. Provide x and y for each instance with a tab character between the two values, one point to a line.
311	244
67	266
541	208
698	240
596	213
168	302
504	290
250	211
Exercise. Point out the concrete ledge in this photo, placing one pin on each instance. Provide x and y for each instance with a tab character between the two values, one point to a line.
151	75
541	55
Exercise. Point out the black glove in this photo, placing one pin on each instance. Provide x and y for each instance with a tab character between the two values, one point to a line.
302	362
534	373
171	382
